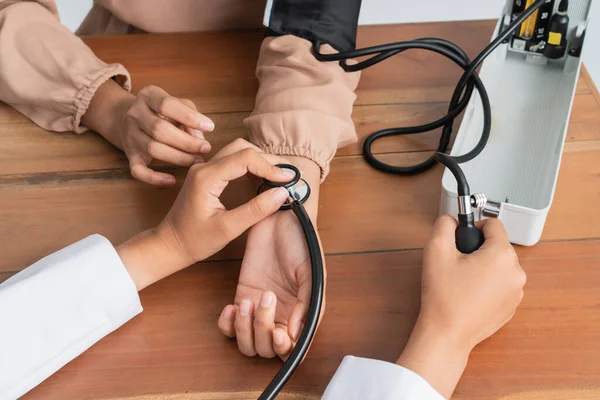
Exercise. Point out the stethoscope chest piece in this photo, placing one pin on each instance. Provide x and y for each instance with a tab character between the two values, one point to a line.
298	188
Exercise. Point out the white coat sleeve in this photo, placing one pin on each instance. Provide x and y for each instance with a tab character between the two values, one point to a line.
365	379
59	307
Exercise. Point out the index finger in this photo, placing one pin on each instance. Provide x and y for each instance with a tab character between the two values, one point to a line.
236	146
170	107
241	144
248	161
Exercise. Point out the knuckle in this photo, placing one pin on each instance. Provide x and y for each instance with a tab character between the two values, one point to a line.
194	146
260	322
163	105
186	160
242	329
195	171
199	178
189	114
494	222
156	127
239	142
511	256
190	104
135	171
248	153
132	113
225	330
522	278
505	250
152	148
247	352
266	353
146	90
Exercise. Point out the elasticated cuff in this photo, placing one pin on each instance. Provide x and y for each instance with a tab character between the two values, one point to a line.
322	162
86	93
303	106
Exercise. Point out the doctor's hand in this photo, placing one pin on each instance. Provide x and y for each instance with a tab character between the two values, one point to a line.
149	125
274	287
198	225
465	299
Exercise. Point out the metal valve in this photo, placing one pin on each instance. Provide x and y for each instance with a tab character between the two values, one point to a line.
468	237
478	200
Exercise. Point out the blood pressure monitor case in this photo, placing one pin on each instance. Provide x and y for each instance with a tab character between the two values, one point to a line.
531	100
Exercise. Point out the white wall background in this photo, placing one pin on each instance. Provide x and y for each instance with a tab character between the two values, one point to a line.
399	11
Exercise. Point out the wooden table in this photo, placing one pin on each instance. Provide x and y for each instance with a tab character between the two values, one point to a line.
58	188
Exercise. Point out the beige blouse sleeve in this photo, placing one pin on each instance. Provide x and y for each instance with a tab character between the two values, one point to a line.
46	72
303	106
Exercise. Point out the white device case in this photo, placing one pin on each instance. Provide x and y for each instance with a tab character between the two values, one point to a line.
531	100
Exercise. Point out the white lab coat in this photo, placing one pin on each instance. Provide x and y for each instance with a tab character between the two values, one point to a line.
60	306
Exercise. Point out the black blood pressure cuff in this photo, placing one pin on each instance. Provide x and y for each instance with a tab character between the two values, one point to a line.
333	22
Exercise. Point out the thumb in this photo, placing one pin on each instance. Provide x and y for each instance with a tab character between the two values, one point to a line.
245	216
442	241
444	229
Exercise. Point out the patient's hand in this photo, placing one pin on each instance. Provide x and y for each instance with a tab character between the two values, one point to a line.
149	125
274	287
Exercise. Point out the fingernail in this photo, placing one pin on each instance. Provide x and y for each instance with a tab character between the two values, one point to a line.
280	195
228	312
297	331
278	338
205	148
168	181
289	174
245	308
206	125
266	300
197	134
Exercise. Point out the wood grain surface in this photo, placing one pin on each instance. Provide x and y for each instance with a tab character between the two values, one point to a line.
57	188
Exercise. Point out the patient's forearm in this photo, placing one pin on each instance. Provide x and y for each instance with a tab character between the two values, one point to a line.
107	111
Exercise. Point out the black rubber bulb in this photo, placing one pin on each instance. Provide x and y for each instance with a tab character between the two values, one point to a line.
468	237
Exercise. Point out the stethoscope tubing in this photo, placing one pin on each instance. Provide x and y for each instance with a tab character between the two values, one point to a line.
314	309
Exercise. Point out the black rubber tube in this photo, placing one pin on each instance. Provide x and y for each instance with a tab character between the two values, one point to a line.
460	98
314	309
461	180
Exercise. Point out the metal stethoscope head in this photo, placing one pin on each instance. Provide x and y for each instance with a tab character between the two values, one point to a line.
298	188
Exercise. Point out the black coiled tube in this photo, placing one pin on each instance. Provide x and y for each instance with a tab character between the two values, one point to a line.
460	99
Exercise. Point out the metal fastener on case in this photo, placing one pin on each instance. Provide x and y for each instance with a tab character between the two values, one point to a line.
492	209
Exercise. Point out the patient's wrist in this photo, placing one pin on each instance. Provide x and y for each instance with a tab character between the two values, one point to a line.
107	112
311	173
